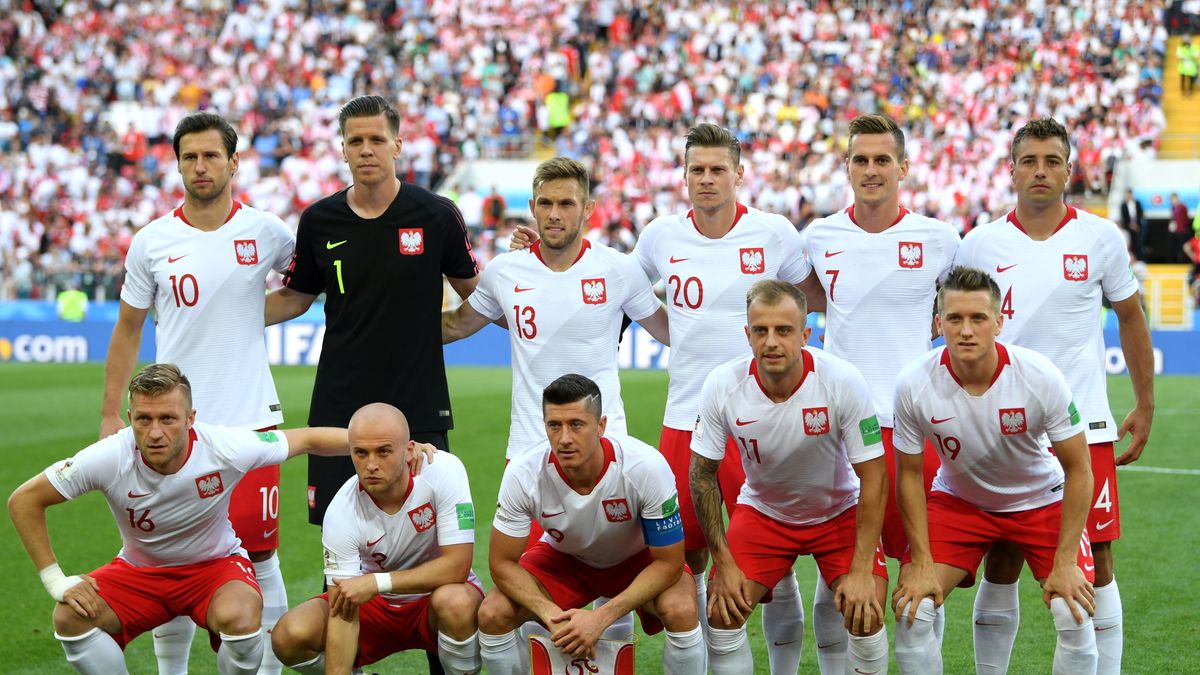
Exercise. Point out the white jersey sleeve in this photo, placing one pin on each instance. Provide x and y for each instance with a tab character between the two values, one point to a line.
97	465
138	291
640	301
515	508
485	297
453	499
341	534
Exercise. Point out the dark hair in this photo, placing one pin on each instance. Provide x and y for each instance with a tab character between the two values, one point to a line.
712	136
572	388
771	292
203	121
369	106
158	379
877	124
969	279
1041	128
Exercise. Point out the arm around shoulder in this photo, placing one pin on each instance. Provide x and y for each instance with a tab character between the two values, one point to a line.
284	304
325	441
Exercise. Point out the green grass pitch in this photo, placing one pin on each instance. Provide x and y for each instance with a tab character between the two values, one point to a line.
50	411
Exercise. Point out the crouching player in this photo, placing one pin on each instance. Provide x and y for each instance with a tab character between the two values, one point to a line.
398	550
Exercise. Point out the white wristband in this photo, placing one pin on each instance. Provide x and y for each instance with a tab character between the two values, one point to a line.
383	580
56	582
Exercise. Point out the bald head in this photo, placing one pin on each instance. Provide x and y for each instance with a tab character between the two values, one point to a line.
376	420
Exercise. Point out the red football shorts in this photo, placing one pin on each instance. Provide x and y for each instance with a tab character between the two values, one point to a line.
573	583
765	549
895	542
254	508
1104	518
145	598
676	446
960	534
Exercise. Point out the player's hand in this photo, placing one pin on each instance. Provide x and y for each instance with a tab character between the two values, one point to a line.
728	595
110	424
352	594
419	455
84	598
1137	423
1068	583
855	598
916	583
522	237
575	632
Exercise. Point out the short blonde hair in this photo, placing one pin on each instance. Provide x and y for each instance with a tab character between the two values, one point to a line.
712	136
877	124
562	168
771	292
158	379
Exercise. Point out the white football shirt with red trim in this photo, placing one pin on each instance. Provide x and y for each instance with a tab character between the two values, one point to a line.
992	446
360	538
180	519
601	528
706	282
879	290
207	291
1051	294
797	454
562	322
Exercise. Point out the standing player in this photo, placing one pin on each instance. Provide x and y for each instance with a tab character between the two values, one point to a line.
879	264
1054	265
807	436
988	406
564	299
168	481
203	269
611	519
395	582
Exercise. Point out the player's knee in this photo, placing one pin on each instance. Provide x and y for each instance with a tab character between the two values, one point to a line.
292	634
68	623
677	611
497	614
717	621
455	606
236	609
1069	630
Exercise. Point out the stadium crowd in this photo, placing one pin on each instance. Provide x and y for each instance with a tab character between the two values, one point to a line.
90	91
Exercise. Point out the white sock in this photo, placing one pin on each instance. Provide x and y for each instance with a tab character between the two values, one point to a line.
1109	632
1075	650
997	616
275	604
939	627
314	666
917	648
173	646
240	653
868	654
729	652
459	657
94	653
783	625
702	599
684	653
829	629
621	629
503	655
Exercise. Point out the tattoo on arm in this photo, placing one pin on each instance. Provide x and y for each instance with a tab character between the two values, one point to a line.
706	495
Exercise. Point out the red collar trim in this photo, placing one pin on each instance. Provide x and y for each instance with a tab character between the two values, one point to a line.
610	456
1071	214
179	213
191	443
537	250
903	212
737	216
1001	361
806	363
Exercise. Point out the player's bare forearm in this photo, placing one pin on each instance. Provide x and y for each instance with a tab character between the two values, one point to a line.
324	441
515	581
341	642
119	363
1075	457
1138	351
706	496
910	497
460	322
872	500
464	287
657	325
27	508
284	304
814	292
648	584
453	566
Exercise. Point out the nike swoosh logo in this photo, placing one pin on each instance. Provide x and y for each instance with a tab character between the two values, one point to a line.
267	533
741	423
1103	628
159	636
981	623
831	644
1105	524
330	245
551	515
1088	567
1002	270
133	496
830	254
678	260
935	420
176	258
780	644
372	543
518	289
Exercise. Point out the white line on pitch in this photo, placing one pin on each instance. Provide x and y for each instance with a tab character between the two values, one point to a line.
1161	469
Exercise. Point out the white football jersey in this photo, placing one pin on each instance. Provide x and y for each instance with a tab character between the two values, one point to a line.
706	283
1051	295
180	519
359	538
208	290
880	290
797	454
562	322
602	528
992	446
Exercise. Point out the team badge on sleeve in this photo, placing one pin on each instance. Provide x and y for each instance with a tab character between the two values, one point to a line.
65	469
594	291
869	430
1074	413
816	421
466	515
246	250
670	506
1075	267
209	485
1012	421
912	254
423	517
617	510
752	260
412	241
267	436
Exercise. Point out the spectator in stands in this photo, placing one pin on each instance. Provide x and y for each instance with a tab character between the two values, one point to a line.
1188	56
1133	221
1179	228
